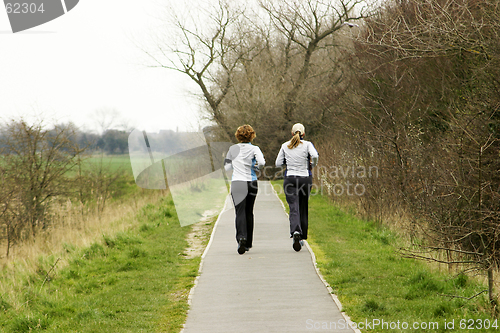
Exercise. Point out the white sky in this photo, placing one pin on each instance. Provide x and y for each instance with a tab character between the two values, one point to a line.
87	60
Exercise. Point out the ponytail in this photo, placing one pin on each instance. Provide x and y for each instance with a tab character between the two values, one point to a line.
294	142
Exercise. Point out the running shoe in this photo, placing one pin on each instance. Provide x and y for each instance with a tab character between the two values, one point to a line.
296	241
241	245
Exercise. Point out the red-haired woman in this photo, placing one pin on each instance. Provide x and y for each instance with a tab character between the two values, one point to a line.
300	157
244	158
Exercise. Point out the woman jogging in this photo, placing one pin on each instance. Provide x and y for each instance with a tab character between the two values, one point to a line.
300	157
244	158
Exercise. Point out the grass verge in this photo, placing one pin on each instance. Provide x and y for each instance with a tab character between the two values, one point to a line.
359	260
135	281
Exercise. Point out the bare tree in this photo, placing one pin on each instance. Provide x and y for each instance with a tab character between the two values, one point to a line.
37	160
206	50
8	203
428	90
462	206
308	24
97	182
248	62
106	118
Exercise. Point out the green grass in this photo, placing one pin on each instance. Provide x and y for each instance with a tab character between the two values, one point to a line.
106	163
113	162
359	260
135	281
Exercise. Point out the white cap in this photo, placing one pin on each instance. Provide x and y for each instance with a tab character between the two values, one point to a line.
298	127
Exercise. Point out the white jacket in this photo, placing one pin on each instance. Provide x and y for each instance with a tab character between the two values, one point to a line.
298	159
244	158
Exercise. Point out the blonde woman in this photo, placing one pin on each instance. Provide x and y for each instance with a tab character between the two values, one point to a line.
244	159
299	156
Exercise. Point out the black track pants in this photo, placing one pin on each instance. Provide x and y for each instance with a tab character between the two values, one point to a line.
297	191
244	194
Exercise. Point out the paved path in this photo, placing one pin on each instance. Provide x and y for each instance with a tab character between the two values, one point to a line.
271	288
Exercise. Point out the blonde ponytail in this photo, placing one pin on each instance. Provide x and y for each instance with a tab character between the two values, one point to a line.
294	142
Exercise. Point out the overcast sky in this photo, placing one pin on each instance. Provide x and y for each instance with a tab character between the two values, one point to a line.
87	60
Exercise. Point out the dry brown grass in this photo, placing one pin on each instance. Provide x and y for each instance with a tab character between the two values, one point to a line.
74	226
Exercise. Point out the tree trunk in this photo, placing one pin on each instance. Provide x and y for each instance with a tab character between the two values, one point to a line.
291	97
490	286
450	265
9	236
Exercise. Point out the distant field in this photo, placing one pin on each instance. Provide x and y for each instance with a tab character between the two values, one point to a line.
113	162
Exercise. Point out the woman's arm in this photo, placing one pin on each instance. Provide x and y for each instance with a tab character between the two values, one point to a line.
234	150
280	160
313	153
261	162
